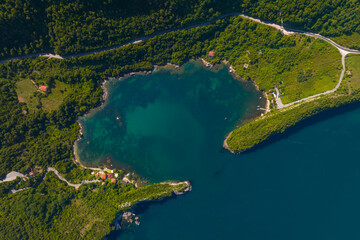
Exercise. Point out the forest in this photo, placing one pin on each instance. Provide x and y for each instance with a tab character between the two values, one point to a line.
267	128
53	210
68	27
34	135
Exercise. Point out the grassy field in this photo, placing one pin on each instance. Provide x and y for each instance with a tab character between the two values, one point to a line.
27	92
353	65
323	67
298	65
56	95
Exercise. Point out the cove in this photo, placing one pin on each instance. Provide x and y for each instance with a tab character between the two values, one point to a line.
168	125
303	186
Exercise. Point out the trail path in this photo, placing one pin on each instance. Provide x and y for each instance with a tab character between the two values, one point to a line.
287	31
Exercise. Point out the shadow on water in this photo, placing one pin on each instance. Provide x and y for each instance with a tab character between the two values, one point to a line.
327	114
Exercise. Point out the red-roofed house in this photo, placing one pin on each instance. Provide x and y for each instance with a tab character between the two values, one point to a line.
110	175
113	180
103	176
43	88
211	54
76	188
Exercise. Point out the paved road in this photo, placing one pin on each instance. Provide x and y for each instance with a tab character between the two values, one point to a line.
320	94
50	169
343	50
12	176
284	30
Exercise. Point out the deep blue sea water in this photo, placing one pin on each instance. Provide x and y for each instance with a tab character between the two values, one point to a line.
305	185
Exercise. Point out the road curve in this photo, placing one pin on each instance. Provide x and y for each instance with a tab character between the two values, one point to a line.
50	169
343	50
281	28
12	176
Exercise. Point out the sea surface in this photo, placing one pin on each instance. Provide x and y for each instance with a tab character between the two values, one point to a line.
171	125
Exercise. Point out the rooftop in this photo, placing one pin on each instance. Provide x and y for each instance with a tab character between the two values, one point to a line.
43	88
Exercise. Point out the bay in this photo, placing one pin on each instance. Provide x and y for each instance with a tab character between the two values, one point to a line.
305	185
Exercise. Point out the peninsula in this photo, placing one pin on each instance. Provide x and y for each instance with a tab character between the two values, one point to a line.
55	57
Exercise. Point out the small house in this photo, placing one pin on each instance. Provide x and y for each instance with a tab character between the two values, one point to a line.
348	72
123	182
103	183
76	188
96	175
113	180
110	175
246	65
103	176
43	88
116	175
211	54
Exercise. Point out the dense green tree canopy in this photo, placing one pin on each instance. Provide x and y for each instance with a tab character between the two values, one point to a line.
67	27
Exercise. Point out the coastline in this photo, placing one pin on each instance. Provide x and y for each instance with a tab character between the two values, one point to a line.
225	145
122	217
105	96
204	63
236	76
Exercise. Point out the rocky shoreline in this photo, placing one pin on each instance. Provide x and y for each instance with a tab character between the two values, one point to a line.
225	145
129	218
103	102
233	72
157	67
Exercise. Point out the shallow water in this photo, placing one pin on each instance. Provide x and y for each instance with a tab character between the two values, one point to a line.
303	186
168	124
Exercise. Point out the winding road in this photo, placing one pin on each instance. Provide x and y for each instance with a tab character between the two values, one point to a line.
13	175
287	31
50	169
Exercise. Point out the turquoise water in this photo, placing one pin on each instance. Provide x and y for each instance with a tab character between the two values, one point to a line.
303	186
168	124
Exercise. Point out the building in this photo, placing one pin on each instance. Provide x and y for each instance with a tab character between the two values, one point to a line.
246	65
110	175
76	188
43	88
103	176
211	54
113	180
